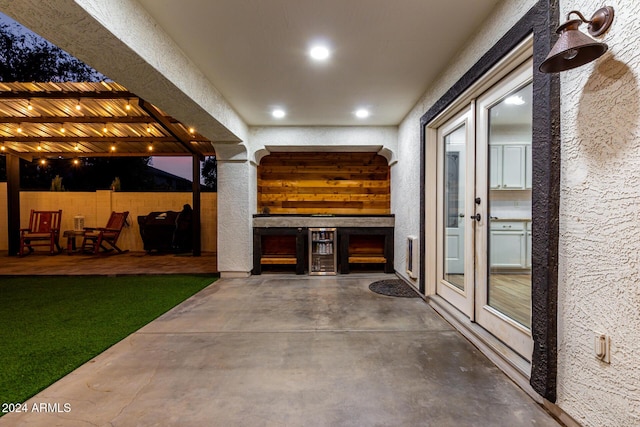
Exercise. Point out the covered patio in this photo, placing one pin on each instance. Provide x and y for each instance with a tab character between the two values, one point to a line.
41	121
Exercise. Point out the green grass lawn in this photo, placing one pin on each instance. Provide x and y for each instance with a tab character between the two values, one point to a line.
51	325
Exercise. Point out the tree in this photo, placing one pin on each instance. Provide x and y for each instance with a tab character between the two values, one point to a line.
25	57
210	173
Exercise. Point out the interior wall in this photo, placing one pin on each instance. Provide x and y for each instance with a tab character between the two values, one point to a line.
599	269
405	174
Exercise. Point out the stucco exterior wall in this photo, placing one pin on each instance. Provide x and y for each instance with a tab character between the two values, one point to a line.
405	175
599	271
324	138
97	206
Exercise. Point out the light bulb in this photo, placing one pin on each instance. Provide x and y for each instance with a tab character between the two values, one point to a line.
362	113
570	54
278	113
319	53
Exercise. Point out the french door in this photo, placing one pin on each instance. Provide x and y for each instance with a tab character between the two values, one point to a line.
484	210
455	206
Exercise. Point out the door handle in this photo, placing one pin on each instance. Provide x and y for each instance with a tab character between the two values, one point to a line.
477	217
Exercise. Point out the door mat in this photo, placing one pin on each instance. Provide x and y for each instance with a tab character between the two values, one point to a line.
393	288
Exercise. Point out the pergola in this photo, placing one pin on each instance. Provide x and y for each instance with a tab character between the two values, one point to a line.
74	120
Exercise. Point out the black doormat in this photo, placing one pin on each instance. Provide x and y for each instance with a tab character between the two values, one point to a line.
393	288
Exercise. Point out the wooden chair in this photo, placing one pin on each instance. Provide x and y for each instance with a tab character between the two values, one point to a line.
44	230
105	237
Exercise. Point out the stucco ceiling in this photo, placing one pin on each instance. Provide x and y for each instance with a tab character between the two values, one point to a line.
385	53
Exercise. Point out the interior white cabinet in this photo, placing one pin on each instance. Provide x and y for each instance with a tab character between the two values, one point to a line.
508	248
510	166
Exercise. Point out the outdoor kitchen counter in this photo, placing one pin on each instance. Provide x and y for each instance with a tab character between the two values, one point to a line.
338	221
283	240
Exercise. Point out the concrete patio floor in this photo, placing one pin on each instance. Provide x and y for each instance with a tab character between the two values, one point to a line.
286	350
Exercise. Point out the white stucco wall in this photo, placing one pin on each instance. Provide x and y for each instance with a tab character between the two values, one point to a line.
324	138
599	268
405	174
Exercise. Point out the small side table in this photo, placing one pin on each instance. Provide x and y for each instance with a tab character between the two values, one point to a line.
71	236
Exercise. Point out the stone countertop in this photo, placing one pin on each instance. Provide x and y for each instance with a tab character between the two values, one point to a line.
323	221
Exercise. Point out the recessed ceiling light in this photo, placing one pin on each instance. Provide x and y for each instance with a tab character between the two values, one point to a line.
278	113
319	53
362	113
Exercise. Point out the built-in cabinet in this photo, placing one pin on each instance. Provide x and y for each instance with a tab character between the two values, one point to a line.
510	246
511	166
322	250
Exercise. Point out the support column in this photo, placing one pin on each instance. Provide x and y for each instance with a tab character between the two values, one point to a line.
13	204
235	217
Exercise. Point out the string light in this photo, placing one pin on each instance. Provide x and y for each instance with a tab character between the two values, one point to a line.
150	148
113	147
192	131
77	147
19	129
149	128
76	161
104	129
39	146
29	106
43	161
78	106
2	148
62	129
128	106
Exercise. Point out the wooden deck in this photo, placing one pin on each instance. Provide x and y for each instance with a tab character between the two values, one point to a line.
130	263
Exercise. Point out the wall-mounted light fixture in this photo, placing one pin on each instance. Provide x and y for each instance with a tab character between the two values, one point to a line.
574	48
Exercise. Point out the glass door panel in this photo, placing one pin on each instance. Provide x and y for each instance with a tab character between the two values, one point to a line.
509	280
504	121
456	152
454	178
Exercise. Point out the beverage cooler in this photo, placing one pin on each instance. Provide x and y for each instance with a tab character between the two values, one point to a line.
322	251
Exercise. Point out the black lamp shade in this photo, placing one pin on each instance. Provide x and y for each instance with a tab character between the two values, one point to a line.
573	49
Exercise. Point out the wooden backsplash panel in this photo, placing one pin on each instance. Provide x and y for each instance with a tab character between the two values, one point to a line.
324	183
